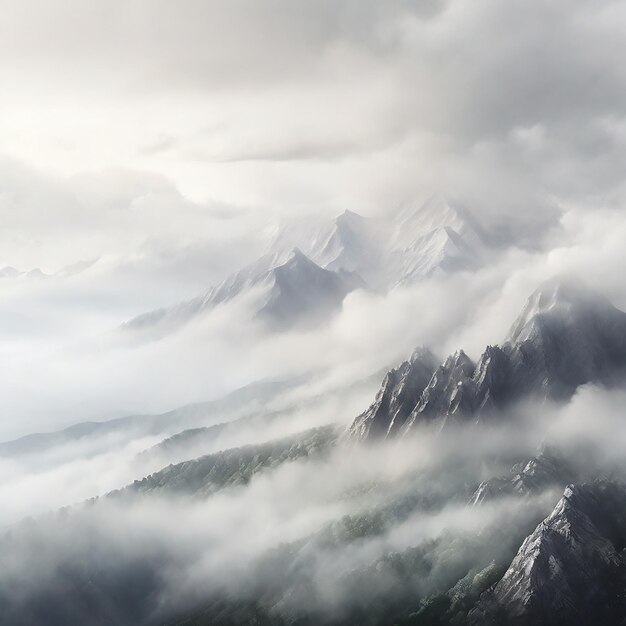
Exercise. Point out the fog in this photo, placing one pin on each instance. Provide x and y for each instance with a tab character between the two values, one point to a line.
61	333
150	150
406	495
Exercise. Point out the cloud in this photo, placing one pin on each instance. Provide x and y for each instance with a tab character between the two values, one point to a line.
208	546
287	106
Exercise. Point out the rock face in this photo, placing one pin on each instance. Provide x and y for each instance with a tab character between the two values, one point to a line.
566	336
571	569
300	290
401	389
548	469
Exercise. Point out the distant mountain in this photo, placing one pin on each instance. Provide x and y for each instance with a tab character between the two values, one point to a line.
288	289
567	335
571	569
400	248
11	272
437	236
263	423
245	401
310	266
349	242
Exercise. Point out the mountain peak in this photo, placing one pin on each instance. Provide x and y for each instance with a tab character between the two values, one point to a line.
564	289
422	353
437	212
562	296
567	336
349	215
296	263
438	202
297	254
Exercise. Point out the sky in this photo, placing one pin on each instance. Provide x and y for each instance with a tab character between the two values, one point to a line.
158	143
282	104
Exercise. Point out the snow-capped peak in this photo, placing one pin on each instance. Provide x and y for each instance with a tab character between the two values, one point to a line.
565	297
436	213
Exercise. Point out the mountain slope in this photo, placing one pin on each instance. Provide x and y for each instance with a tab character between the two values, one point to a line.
567	335
244	401
236	466
435	237
571	569
547	470
347	243
401	389
288	288
309	268
397	249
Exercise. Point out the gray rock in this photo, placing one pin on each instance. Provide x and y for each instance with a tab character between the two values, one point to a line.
544	471
571	569
567	335
400	390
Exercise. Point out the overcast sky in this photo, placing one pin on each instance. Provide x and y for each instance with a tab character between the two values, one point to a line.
295	104
163	139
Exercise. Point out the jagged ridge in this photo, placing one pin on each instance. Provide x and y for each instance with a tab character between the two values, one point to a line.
571	569
567	335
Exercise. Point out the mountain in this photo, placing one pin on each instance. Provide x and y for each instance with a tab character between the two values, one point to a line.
567	335
248	400
438	236
310	266
259	420
571	569
347	243
301	290
236	466
11	272
400	390
437	213
397	249
288	289
547	470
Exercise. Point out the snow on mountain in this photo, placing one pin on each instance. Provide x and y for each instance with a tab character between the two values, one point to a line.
571	569
437	213
401	248
348	242
566	336
546	471
435	237
290	289
320	262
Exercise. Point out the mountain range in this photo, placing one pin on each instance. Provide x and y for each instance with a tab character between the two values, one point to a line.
542	538
309	268
287	289
567	335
